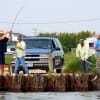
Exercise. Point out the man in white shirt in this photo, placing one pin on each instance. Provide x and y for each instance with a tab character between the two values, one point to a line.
20	50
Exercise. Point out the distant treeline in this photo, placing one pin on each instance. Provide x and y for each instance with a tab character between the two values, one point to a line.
69	40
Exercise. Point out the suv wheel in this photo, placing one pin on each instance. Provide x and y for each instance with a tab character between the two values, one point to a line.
58	70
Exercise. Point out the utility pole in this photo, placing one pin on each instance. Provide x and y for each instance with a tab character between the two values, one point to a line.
34	32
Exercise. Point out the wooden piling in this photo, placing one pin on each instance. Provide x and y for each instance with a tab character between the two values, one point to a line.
53	82
97	83
37	82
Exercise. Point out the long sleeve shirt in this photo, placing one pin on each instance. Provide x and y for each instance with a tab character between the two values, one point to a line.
82	52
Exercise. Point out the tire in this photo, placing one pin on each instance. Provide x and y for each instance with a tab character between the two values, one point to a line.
47	70
58	70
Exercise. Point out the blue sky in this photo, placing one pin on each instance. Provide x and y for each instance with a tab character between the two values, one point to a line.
50	15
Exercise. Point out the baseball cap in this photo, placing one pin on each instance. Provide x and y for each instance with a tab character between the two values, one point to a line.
81	40
1	31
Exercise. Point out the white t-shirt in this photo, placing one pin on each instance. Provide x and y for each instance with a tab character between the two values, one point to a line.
21	53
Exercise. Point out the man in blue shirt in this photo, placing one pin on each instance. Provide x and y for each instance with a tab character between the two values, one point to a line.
97	48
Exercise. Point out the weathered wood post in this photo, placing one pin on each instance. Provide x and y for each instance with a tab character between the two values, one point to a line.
77	83
26	83
56	83
8	82
60	83
69	82
37	82
91	84
83	82
98	82
51	83
16	83
2	81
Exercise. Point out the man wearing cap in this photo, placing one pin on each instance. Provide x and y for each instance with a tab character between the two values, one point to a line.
82	52
3	47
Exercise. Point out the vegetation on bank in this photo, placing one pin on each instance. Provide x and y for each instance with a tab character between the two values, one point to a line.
71	63
69	40
8	59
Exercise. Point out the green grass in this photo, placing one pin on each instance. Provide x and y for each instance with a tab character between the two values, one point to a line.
71	63
7	59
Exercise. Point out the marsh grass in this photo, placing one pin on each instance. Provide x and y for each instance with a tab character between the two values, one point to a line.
72	64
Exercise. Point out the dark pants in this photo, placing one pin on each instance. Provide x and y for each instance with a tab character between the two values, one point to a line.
85	65
2	58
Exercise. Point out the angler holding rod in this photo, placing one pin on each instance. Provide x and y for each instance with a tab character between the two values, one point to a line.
4	38
3	48
82	52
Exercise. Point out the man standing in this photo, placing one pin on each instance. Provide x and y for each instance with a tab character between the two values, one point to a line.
82	52
97	48
3	48
20	50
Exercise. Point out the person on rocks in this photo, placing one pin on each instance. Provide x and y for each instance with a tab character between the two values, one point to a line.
97	49
82	52
4	38
20	53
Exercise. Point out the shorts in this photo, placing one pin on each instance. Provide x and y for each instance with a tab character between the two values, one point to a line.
2	58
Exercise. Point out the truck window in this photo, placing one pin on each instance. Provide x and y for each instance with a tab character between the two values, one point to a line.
91	44
53	44
39	43
11	44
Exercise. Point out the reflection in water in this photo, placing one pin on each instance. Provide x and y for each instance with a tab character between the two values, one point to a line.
50	96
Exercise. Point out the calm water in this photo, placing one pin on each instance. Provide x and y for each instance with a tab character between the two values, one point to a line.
50	96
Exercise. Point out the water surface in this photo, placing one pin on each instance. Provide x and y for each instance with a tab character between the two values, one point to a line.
50	96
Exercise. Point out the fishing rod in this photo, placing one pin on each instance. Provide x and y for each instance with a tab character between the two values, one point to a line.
89	62
96	76
18	12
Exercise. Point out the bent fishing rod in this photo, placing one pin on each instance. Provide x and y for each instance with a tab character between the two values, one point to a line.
15	18
17	14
